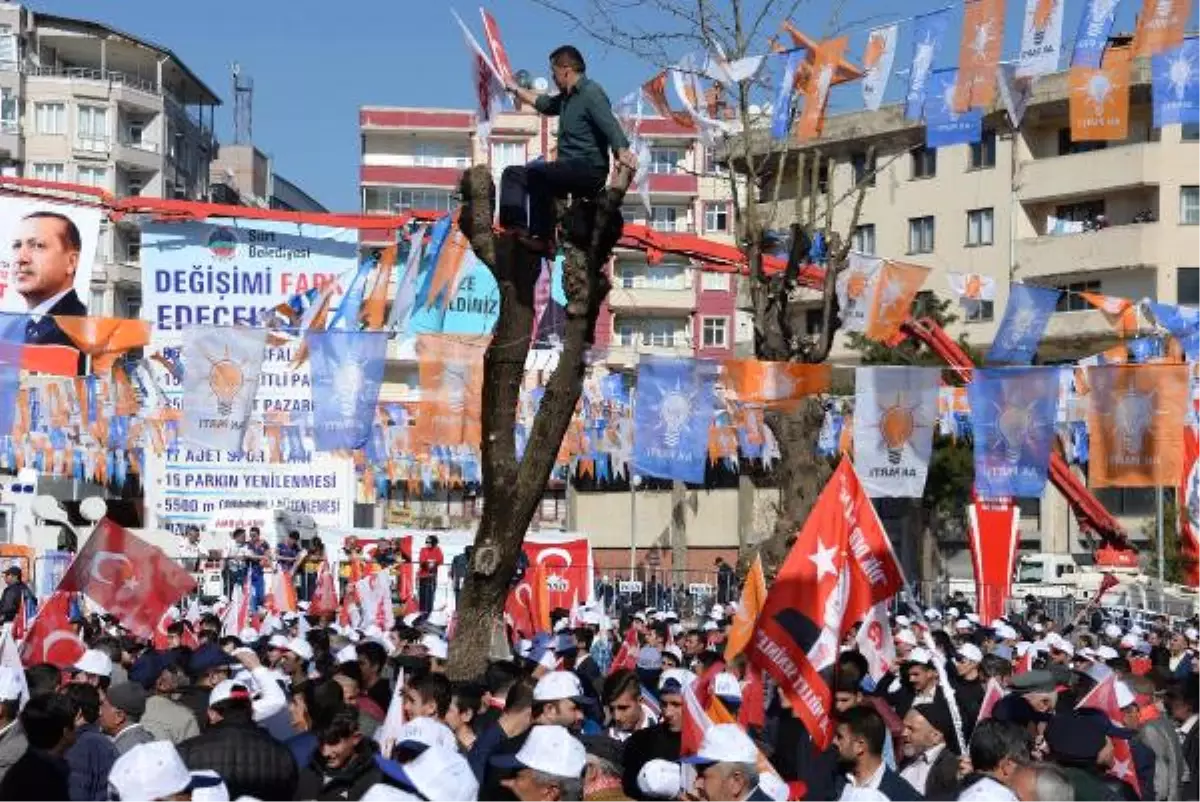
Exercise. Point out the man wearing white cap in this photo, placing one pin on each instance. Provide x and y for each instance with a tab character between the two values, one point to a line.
727	765
153	771
93	668
549	765
968	687
437	773
557	699
923	677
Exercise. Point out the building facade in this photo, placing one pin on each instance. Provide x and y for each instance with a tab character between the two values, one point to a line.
244	175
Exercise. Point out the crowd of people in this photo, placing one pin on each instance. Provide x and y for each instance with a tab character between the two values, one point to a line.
302	708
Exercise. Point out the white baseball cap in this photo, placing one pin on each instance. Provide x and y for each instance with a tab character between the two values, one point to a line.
963	623
95	662
439	772
1112	630
726	686
347	654
557	685
227	689
301	648
724	743
1107	653
382	792
678	675
437	647
933	614
902	621
906	636
202	791
660	779
709	626
154	770
675	652
921	656
1128	641
278	642
1064	645
1005	632
550	749
971	652
248	635
426	731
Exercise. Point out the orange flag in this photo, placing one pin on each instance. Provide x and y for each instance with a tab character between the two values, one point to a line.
1121	313
895	289
655	91
450	262
1160	26
1135	420
827	57
451	375
104	338
376	303
754	596
775	385
1099	98
979	53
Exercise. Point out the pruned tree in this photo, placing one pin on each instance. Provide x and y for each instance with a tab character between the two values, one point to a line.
512	487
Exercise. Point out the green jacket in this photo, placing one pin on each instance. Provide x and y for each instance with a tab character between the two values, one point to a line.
587	129
1089	786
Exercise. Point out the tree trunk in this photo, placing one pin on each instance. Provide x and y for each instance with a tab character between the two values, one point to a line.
512	489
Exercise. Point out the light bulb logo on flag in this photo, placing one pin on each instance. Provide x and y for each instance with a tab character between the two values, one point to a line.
225	379
1132	417
1179	74
1099	87
1015	424
982	38
674	411
349	382
897	423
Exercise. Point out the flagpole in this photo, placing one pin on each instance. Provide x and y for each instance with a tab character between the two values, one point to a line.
633	482
1162	572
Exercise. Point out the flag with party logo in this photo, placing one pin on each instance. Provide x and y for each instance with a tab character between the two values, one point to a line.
1183	323
878	58
407	283
929	35
347	372
1135	425
775	385
781	109
1099	98
826	58
978	54
104	339
672	415
895	411
856	290
896	285
1160	26
945	124
1121	313
754	596
1041	38
971	290
221	370
655	91
1014	92
1013	414
1094	28
1175	84
1025	318
450	371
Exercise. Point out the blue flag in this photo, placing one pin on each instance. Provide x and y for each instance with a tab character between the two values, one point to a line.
347	370
1175	84
1183	323
10	382
929	33
1013	410
1094	27
781	109
1025	318
943	125
672	415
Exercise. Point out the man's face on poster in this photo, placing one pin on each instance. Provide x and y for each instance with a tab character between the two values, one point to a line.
44	260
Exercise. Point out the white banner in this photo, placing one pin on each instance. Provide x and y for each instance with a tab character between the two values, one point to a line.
877	64
856	290
895	411
875	642
1041	38
220	379
51	251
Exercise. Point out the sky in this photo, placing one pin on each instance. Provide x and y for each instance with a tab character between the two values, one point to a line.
315	63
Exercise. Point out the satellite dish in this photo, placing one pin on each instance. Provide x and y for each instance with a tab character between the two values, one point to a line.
48	509
540	84
93	508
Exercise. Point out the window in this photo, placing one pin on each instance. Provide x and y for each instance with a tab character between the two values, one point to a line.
663	276
661	333
133	185
665	160
1127	500
1066	147
983	152
92	131
8	112
440	154
45	171
50	118
979	227
1189	132
714	332
1189	206
93	176
980	311
1187	286
712	164
864	171
924	162
392	200
714	282
625	332
920	235
1080	212
668	218
507	154
716	217
1071	300
133	133
863	239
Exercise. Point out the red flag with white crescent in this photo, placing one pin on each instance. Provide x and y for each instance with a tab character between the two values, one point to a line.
52	639
626	657
499	55
1103	697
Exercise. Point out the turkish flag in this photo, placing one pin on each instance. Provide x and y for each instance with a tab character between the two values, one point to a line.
499	55
324	599
841	565
627	655
1103	697
51	639
992	694
128	577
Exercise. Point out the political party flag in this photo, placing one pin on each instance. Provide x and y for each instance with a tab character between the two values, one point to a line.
236	616
1013	415
450	370
51	638
874	640
104	338
878	58
1041	38
406	288
485	80
1183	323
781	109
131	579
754	596
826	57
895	287
971	289
672	415
895	410
496	46
1094	27
450	261
1014	92
840	566
1135	425
1099	98
1121	313
929	34
222	366
1175	84
1160	26
978	54
655	91
944	124
1103	697
1188	516
993	692
347	371
775	385
282	598
1025	318
856	290
375	305
993	532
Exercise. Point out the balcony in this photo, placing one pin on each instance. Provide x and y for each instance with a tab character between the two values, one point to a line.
139	154
627	356
1113	248
94	147
1089	324
651	299
447	177
124	88
398	119
1081	174
674	184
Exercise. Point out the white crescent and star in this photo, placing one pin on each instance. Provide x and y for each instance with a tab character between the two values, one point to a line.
823	559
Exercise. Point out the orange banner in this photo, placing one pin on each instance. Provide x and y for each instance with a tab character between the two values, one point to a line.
1160	26
376	303
979	53
656	92
1135	421
895	289
776	385
826	58
1120	313
450	261
1099	98
754	596
104	339
451	375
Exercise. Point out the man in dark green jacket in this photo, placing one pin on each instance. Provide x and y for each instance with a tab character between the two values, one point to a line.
587	132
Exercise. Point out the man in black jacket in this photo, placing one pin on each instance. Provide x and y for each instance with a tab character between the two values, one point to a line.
14	590
859	740
662	741
1181	703
343	766
49	724
251	762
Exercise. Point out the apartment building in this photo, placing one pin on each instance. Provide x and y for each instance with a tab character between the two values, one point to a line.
84	103
244	175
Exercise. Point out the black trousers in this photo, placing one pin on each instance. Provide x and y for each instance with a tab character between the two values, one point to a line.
527	192
426	588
